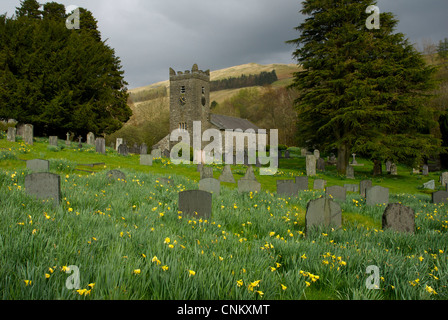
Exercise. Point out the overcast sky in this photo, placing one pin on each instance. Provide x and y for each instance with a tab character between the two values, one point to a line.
150	36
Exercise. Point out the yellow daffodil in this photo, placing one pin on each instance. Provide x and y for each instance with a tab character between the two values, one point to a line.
191	273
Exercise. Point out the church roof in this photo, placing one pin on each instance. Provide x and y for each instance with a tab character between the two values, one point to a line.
226	122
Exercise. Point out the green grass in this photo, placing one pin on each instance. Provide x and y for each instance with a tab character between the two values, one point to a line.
121	234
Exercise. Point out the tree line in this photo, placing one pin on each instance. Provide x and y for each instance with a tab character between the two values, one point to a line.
58	79
252	80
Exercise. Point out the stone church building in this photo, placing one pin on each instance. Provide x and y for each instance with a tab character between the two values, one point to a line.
190	101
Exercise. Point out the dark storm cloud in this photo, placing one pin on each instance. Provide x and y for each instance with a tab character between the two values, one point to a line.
152	36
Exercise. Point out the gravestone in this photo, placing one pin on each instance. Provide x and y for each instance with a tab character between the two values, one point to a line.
320	164
303	152
310	165
323	212
247	185
302	183
118	142
143	149
80	142
439	197
115	175
351	187
336	192
210	185
123	149
67	141
206	172
425	170
53	141
90	139
317	154
44	186
11	137
146	160
430	185
332	161
393	169
226	175
287	188
415	171
28	134
163	181
196	203
350	172
444	178
354	159
199	167
156	153
250	175
388	165
38	165
166	153
399	218
377	195
319	184
363	185
287	154
280	155
100	145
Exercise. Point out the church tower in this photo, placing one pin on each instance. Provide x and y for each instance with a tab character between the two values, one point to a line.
189	100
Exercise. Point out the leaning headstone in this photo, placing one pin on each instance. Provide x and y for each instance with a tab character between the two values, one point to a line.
302	183
45	186
393	169
444	178
351	187
91	138
53	141
310	165
115	175
399	218
287	188
146	160
319	184
38	165
118	142
100	145
28	134
363	185
246	185
350	172
196	203
226	175
440	196
206	172
11	137
377	195
425	170
323	212
430	185
210	185
336	192
320	164
123	149
156	153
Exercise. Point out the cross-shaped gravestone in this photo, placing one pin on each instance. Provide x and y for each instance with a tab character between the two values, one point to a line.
354	159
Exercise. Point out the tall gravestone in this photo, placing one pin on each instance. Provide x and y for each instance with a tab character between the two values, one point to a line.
196	203
425	170
350	172
336	192
118	142
287	188
226	175
399	218
317	154
11	137
363	186
67	141
91	138
444	178
323	212
123	149
210	185
310	165
393	169
44	186
377	195
320	164
38	165
302	183
28	134
100	145
53	141
388	165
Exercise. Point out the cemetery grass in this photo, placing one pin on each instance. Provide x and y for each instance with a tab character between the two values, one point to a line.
130	242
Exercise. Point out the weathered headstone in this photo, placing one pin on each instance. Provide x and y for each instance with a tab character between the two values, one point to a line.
444	178
246	185
250	174
323	212
310	165
118	142
440	196
116	175
332	160
53	141
320	164
430	185
336	192
210	185
80	142
317	154
350	172
303	152
363	185
425	170
393	169
123	149
388	165
319	184
146	160
143	149
354	159
287	188
415	171
351	187
196	203
226	175
166	153
302	183
199	167
28	134
67	141
377	195
91	138
38	165
44	186
399	218
206	172
100	145
11	137
156	153
163	181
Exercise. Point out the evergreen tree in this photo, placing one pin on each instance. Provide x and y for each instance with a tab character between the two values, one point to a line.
361	90
442	49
